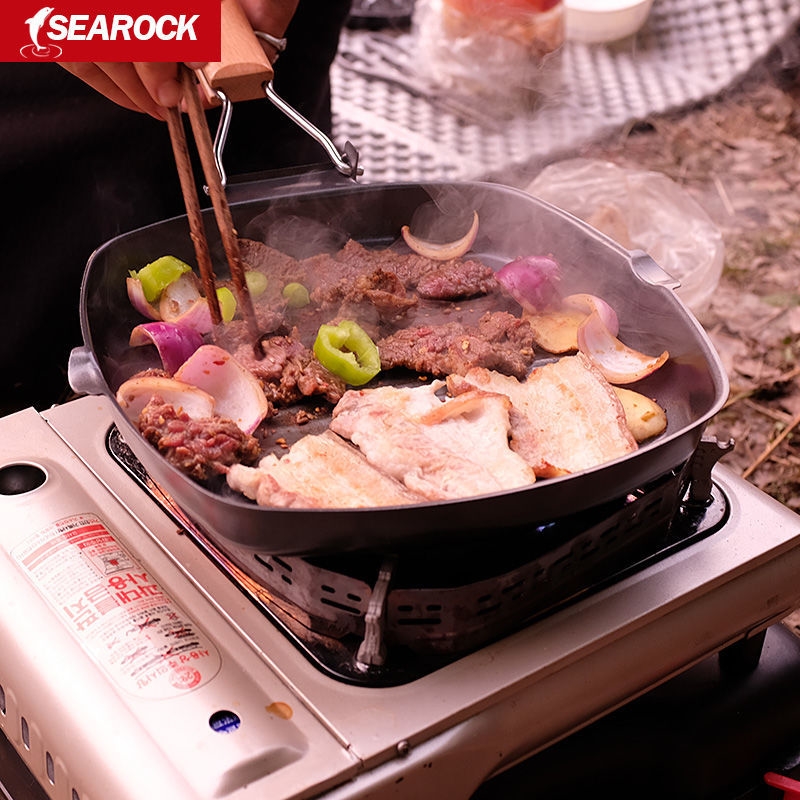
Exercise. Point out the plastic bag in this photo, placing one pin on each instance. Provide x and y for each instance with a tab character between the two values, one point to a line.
501	51
641	210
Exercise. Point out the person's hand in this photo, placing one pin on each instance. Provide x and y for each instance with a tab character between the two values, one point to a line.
152	87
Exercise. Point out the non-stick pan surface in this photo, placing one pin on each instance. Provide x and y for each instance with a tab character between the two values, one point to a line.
692	386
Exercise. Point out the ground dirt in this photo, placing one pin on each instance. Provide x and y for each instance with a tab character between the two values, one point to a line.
738	155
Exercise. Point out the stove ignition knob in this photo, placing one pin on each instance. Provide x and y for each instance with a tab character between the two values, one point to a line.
21	478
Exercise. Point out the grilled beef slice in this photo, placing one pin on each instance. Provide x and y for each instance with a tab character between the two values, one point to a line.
500	342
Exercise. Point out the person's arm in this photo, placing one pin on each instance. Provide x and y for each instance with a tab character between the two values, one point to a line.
151	87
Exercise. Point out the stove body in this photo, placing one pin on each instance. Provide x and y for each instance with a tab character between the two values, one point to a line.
132	665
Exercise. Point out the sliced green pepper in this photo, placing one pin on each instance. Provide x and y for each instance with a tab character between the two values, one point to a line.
158	274
347	351
296	295
227	303
256	282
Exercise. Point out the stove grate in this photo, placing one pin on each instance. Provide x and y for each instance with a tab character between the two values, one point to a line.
422	610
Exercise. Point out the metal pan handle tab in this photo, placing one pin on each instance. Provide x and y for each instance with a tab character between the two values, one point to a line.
245	73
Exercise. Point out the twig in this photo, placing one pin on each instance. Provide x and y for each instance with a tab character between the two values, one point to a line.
770	448
788	376
723	195
778	416
739	396
766	322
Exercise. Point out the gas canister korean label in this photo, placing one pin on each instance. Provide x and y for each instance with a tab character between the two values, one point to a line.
116	608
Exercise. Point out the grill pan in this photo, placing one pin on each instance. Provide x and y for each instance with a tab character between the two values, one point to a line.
692	386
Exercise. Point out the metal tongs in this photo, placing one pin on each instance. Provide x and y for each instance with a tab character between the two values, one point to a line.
244	73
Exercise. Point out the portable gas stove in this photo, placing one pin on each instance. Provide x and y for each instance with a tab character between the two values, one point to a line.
140	661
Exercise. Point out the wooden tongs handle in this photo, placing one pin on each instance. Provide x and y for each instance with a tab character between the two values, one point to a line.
244	68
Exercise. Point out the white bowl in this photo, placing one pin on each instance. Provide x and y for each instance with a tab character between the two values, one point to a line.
593	21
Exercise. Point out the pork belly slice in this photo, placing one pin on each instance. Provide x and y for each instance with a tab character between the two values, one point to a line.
320	471
565	418
441	449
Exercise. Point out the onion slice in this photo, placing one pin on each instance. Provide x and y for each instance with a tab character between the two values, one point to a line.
182	303
236	391
619	363
137	392
591	302
138	300
175	343
532	281
444	251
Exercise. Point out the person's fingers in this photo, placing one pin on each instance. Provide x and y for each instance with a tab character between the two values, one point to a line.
161	82
270	17
146	87
95	77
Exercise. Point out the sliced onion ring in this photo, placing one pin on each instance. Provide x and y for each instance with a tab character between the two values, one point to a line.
182	303
197	316
236	391
175	343
137	392
591	302
446	250
619	363
138	300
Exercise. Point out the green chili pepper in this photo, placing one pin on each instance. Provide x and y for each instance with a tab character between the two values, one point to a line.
227	303
158	274
347	351
296	295
256	282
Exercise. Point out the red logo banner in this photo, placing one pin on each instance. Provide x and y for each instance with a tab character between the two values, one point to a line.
122	30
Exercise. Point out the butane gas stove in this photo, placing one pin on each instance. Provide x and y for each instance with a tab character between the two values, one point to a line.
139	661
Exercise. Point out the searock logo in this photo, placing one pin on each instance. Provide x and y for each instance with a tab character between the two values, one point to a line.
45	28
122	31
35	49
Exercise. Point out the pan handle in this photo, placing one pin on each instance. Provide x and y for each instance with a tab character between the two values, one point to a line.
245	73
83	372
244	68
649	271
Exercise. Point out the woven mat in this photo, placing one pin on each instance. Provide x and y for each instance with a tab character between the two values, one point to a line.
407	128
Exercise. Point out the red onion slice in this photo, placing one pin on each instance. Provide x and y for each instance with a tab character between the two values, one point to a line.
619	363
532	281
446	250
175	343
237	393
